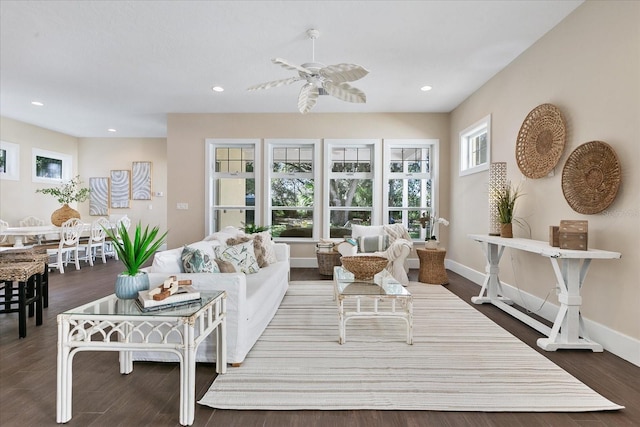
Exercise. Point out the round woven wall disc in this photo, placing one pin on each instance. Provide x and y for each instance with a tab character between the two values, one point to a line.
591	177
540	141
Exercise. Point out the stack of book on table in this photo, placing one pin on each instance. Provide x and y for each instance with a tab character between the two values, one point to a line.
183	296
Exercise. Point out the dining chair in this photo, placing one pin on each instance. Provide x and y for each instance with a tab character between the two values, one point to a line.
32	221
4	240
96	243
69	245
126	221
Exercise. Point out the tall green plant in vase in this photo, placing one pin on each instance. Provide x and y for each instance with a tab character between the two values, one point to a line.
506	203
134	251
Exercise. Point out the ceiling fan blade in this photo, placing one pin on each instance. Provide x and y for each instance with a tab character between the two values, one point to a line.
285	64
340	73
308	97
275	83
345	92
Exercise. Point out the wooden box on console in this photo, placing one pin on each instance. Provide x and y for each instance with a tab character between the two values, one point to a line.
573	235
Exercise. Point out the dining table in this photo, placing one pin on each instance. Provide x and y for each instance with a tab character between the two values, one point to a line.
19	234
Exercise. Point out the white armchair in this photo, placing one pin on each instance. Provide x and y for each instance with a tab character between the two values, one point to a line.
388	241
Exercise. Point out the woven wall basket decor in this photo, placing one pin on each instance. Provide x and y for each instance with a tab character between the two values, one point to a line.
540	141
591	177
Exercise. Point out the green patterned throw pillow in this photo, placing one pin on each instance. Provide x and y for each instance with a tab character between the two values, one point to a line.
197	261
241	256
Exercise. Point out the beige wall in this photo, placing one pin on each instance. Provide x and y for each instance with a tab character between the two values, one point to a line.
588	66
92	157
98	156
186	149
18	199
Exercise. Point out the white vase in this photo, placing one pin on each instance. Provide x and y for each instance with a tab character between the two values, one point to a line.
431	244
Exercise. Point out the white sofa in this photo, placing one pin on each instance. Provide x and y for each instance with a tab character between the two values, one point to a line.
252	300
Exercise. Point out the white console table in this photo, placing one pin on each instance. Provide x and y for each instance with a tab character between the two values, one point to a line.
570	268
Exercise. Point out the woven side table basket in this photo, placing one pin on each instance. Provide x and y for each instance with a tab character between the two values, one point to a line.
432	270
326	262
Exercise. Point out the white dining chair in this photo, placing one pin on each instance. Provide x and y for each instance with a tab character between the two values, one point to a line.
4	240
68	246
32	221
126	221
96	244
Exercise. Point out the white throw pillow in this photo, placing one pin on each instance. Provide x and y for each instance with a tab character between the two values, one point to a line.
168	261
366	230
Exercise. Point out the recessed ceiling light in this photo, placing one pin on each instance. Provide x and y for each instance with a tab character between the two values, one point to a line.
37	103
217	89
111	130
426	88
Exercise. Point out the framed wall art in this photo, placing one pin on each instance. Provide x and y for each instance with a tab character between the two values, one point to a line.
99	196
120	189
141	181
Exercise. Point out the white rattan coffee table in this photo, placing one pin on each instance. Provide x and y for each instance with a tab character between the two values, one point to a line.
362	299
112	324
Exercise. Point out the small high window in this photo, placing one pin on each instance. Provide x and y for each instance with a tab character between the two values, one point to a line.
475	147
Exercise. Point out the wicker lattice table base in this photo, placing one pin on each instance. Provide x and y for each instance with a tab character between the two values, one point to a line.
432	266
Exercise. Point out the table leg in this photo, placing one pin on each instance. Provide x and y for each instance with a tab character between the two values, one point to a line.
568	325
64	379
341	321
221	344
188	377
491	285
125	357
410	321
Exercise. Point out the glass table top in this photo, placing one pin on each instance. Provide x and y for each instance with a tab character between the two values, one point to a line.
113	306
383	284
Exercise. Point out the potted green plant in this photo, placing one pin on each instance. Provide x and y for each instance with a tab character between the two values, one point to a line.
252	228
67	192
134	252
506	203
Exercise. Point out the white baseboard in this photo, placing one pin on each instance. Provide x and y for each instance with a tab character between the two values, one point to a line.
623	346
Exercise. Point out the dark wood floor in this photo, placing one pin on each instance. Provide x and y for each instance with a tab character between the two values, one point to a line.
149	396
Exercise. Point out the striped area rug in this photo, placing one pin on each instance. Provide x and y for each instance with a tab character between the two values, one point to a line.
460	361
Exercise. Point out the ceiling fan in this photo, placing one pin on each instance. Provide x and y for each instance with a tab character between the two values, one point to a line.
320	80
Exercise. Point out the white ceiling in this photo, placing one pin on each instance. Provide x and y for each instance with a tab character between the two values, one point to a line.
126	64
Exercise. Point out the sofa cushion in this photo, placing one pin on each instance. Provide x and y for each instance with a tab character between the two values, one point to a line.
168	261
242	256
367	244
225	266
266	240
366	230
258	249
198	261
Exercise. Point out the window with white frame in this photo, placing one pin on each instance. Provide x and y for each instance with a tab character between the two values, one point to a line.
293	195
475	147
409	176
50	166
233	185
9	161
350	188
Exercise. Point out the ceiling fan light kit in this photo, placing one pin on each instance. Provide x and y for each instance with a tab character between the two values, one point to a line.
320	80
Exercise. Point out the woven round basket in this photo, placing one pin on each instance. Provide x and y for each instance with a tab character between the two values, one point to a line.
591	177
540	141
364	267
